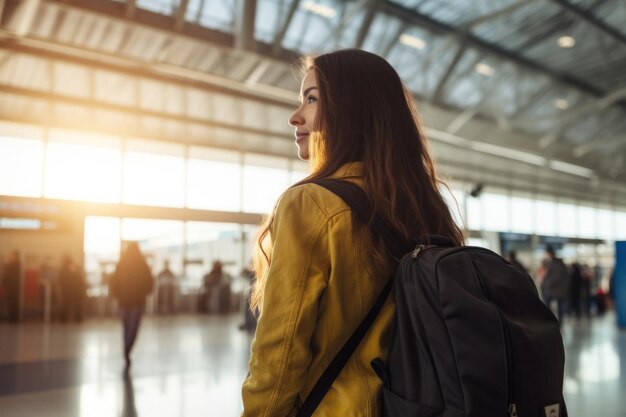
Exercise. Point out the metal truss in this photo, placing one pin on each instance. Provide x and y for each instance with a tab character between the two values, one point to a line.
235	64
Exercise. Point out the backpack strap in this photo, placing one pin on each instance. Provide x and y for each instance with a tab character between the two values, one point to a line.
355	197
339	361
358	201
361	206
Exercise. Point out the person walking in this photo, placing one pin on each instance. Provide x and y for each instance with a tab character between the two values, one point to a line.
318	269
555	284
131	283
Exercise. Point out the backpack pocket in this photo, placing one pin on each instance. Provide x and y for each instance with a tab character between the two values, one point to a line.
396	406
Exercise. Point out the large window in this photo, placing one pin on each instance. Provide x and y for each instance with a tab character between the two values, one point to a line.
475	213
299	171
455	200
20	166
159	240
545	218
154	174
522	215
81	167
210	242
587	222
102	248
264	180
606	222
90	167
496	212
214	179
620	223
567	219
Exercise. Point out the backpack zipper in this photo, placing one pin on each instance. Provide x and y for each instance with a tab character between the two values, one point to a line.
417	250
510	356
510	366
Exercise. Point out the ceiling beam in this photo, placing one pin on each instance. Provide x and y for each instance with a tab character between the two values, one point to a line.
284	27
461	120
246	17
155	71
179	15
131	6
437	96
588	17
370	12
417	18
21	19
497	14
585	148
1	9
573	116
133	110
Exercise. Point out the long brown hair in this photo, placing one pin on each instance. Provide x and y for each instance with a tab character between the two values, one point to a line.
366	114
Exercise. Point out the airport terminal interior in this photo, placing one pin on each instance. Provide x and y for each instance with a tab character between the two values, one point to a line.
163	124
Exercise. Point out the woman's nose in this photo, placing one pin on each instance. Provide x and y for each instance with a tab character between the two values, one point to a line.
295	119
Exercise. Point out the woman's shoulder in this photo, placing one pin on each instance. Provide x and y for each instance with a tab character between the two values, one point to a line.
311	198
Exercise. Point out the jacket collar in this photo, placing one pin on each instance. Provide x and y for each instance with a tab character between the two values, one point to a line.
351	169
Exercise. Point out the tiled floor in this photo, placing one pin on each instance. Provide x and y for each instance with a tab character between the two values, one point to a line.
194	365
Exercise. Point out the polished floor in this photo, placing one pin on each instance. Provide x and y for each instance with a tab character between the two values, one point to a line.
194	366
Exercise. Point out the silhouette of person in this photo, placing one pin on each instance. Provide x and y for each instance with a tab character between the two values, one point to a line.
131	283
555	283
166	289
12	282
73	286
512	258
211	282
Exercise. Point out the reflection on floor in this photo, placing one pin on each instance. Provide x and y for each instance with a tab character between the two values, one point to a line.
194	365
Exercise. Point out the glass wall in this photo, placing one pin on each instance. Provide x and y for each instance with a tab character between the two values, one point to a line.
213	179
79	166
21	164
264	179
154	174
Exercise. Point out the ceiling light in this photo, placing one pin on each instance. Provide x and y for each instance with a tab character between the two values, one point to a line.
320	9
484	69
566	41
412	41
561	103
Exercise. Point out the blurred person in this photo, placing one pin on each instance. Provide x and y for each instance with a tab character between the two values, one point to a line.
166	289
73	286
318	272
131	283
555	284
612	287
216	296
586	287
12	282
575	288
512	258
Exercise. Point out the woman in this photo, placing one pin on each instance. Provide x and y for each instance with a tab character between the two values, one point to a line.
131	283
318	271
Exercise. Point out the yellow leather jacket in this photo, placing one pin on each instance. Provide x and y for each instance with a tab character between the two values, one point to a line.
321	283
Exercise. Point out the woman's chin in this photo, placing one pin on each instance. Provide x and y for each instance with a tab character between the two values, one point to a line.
303	153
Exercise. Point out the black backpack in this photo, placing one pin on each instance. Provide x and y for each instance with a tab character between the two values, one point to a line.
471	338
